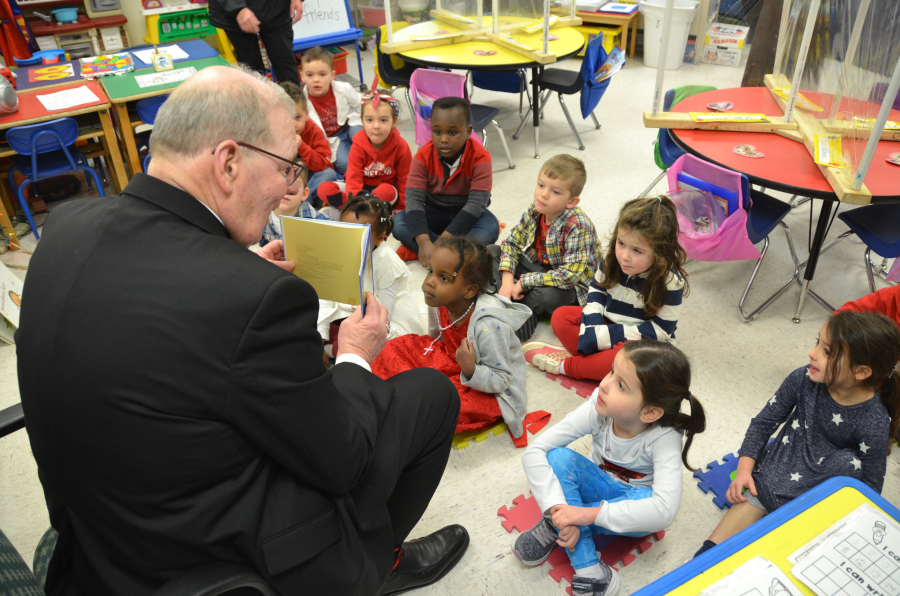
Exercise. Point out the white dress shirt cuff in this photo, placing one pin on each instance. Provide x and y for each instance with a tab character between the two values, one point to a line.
354	359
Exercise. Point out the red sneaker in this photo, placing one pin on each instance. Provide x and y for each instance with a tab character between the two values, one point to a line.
406	254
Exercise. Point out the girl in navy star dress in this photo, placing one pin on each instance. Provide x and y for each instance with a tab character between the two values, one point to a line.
839	414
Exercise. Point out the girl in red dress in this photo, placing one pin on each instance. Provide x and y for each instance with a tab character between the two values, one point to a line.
471	338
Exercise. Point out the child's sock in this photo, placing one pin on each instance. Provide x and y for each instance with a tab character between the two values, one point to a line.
562	369
707	544
593	572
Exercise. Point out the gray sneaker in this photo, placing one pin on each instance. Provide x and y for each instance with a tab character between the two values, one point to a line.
608	585
532	547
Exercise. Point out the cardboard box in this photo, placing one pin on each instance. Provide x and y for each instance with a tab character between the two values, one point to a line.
721	56
726	36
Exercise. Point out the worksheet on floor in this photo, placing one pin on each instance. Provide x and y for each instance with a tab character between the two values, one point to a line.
861	558
756	577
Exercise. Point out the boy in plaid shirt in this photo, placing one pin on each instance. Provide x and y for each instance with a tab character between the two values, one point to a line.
549	258
296	205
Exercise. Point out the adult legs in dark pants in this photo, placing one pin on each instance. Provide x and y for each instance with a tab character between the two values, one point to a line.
410	455
543	299
486	230
279	44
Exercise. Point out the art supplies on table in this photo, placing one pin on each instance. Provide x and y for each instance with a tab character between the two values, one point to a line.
69	98
613	64
107	64
166	77
756	577
484	52
748	151
856	559
10	304
827	150
619	8
51	72
728	199
146	56
802	102
719	117
334	257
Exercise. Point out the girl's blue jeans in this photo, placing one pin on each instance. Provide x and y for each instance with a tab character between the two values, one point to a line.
586	485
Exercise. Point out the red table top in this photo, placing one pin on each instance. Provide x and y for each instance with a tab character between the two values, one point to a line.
42	27
787	164
31	108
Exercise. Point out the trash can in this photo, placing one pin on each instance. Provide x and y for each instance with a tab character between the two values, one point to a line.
654	12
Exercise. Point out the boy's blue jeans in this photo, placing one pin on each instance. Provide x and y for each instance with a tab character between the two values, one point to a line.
486	229
586	485
346	135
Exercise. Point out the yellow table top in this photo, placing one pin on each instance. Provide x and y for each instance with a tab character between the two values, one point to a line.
463	54
783	541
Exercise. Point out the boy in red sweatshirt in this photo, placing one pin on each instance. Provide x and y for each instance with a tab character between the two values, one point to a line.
312	144
379	159
449	186
886	301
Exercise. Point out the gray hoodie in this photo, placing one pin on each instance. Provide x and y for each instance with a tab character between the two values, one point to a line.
499	362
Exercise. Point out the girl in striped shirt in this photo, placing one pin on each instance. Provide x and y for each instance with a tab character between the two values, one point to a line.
636	294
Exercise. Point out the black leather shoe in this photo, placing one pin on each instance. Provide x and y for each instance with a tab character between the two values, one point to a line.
426	560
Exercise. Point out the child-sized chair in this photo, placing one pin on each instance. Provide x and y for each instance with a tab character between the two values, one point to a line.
755	216
878	226
147	109
428	85
569	82
44	151
386	68
504	81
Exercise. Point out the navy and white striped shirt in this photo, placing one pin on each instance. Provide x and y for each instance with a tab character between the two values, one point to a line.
624	307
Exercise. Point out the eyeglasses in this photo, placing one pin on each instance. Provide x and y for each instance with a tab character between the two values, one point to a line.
290	175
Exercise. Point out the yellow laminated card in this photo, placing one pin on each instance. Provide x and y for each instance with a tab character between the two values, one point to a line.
870	123
720	117
335	258
517	43
828	150
802	102
538	25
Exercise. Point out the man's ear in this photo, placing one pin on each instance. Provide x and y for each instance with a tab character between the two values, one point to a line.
228	161
651	414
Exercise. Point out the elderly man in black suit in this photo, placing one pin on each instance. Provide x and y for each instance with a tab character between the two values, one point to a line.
174	391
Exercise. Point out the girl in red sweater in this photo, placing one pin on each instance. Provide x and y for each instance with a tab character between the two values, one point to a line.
379	159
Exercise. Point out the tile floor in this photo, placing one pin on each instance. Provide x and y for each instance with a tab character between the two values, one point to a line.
737	366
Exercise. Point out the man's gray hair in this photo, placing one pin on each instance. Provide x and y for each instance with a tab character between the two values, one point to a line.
197	117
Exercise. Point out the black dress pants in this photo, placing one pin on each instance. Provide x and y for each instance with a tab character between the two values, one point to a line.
279	44
413	445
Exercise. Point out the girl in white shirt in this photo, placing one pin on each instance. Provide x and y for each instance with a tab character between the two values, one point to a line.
391	276
632	484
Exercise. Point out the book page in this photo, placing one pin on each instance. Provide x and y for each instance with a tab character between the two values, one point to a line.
10	303
756	577
328	255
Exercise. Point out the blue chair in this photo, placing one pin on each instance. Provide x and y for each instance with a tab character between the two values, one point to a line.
51	141
878	226
568	82
388	73
146	110
506	81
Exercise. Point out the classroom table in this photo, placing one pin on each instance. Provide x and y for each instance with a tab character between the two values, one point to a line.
775	537
626	21
196	49
123	91
462	55
787	165
32	111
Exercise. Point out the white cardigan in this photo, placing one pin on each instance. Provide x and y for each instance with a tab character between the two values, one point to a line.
347	100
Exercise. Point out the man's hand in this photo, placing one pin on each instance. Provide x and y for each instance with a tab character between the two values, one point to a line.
364	336
296	11
465	357
426	247
274	253
247	21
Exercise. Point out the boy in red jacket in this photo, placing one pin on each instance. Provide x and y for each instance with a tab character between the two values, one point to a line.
312	145
379	159
886	301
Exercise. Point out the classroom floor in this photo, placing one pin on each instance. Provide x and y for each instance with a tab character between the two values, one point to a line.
737	366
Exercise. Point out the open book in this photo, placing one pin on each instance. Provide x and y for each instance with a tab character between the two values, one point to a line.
335	258
10	303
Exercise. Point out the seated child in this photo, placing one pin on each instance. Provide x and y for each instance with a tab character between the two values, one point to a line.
631	485
839	413
390	273
471	338
449	186
379	158
312	146
886	301
292	206
333	105
549	258
636	294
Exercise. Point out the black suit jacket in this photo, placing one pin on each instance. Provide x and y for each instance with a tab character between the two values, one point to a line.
179	410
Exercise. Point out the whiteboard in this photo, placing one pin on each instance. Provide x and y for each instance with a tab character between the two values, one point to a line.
321	17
